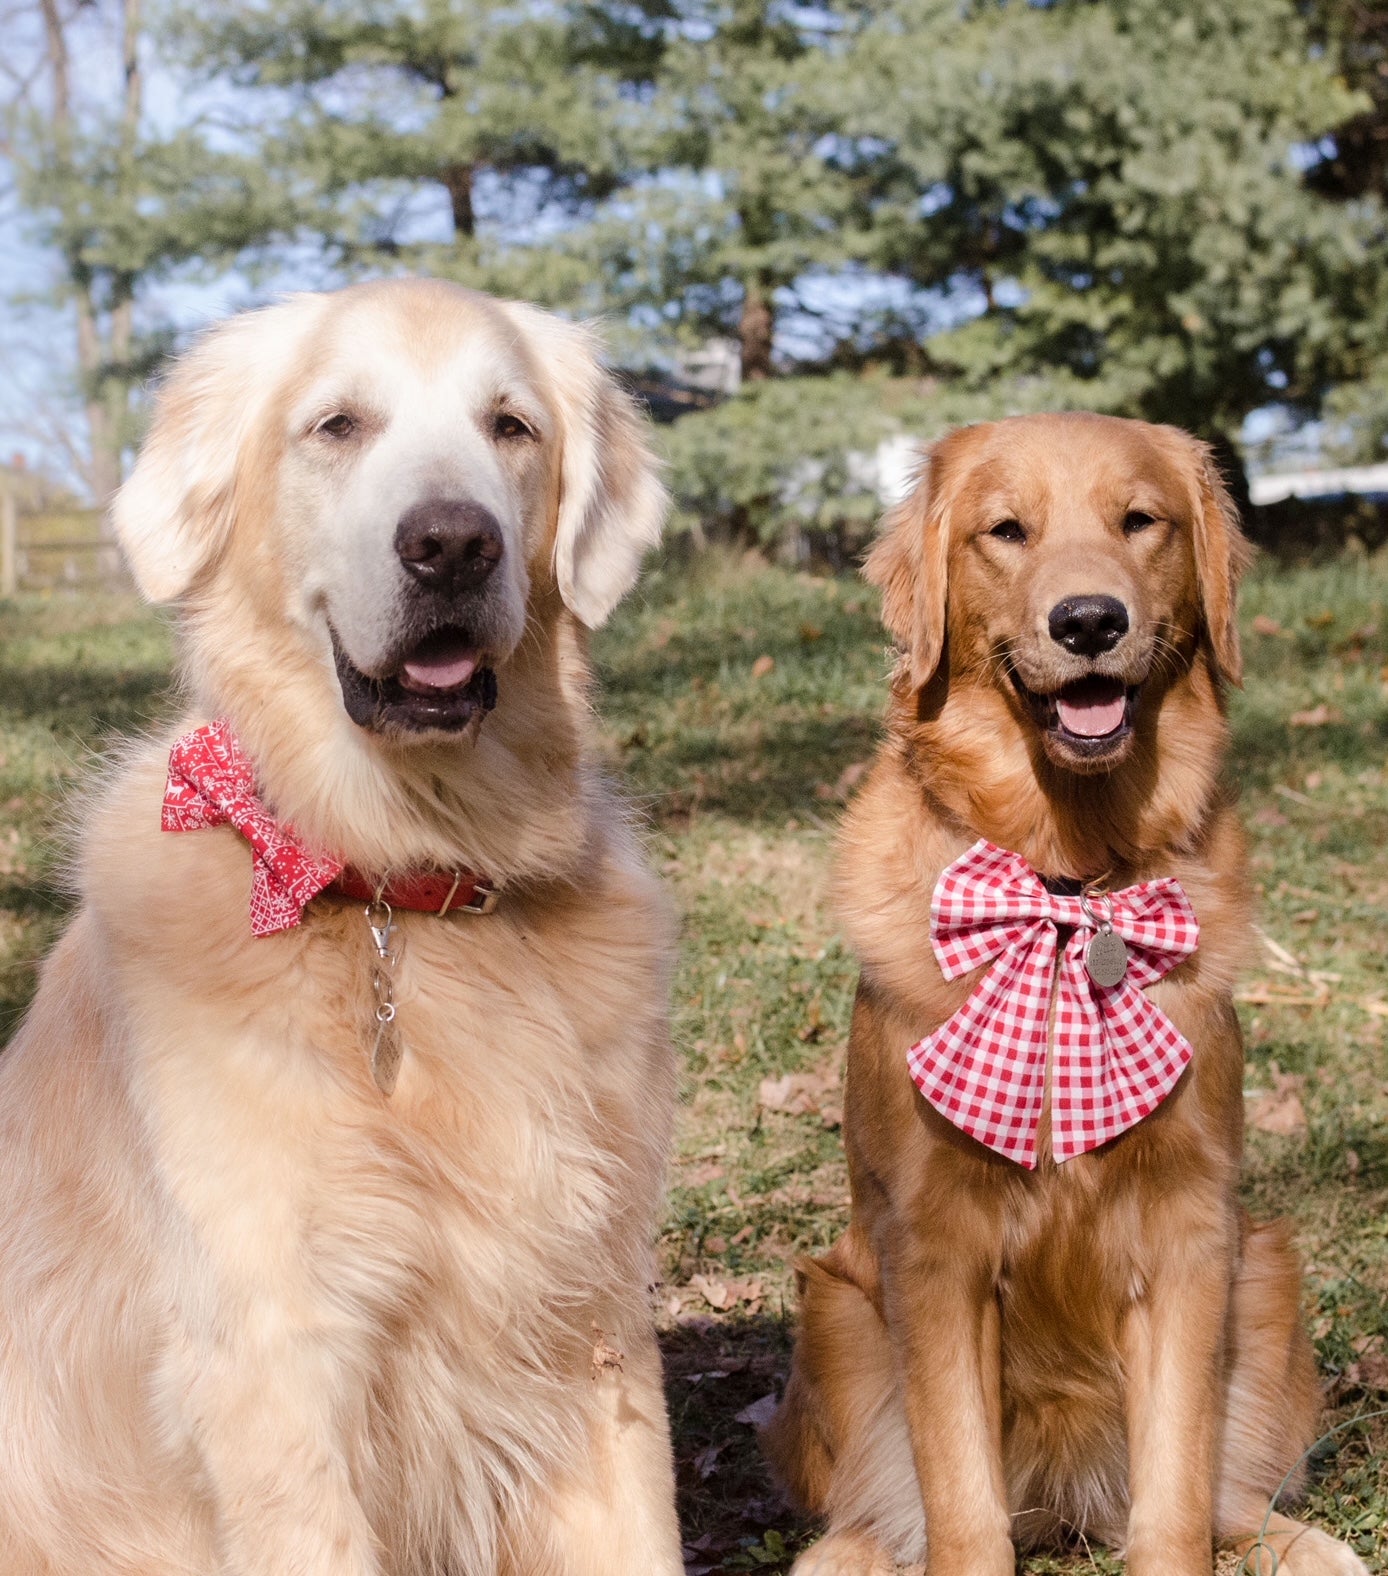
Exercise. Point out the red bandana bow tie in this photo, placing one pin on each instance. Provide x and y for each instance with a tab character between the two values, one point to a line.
1117	1057
212	783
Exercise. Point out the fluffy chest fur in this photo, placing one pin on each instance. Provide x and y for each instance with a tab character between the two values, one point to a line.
446	1256
1046	1231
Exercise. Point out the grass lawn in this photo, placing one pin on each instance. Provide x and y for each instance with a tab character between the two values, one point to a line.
738	705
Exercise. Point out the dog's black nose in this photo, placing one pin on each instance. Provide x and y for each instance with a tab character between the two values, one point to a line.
1087	625
448	545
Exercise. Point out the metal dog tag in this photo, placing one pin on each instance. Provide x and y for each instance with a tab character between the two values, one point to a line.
1106	957
387	1053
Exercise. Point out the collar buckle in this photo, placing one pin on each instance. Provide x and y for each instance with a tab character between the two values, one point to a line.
483	900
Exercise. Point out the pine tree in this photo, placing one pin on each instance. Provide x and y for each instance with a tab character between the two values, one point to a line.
1353	167
455	137
753	195
1117	187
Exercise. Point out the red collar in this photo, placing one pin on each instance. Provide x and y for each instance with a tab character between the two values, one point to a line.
427	892
212	783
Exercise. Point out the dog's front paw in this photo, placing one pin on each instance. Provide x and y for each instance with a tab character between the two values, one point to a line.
850	1554
1307	1552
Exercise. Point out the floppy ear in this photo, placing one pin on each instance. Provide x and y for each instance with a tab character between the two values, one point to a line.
611	502
174	513
1222	553
910	565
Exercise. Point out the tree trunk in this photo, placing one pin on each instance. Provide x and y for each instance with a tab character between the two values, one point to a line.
1229	459
755	331
457	178
103	349
103	436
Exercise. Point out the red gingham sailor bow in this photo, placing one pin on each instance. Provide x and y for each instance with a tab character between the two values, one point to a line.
212	783
1117	1057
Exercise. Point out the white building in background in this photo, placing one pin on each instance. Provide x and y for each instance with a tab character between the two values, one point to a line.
715	367
1362	479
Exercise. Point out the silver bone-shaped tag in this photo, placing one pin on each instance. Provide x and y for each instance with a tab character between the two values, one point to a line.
387	1052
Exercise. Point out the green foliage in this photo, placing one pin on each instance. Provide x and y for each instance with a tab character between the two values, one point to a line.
790	463
1118	184
780	459
1166	208
453	137
757	185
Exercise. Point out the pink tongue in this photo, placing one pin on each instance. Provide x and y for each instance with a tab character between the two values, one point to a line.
442	672
1091	719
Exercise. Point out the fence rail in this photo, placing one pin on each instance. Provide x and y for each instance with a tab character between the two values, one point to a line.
34	557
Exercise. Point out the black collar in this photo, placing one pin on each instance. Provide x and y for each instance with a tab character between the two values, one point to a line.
1063	886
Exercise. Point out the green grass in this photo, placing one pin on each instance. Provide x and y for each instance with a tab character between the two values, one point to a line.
740	767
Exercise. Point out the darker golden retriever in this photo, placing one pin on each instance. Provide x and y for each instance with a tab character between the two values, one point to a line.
1007	1347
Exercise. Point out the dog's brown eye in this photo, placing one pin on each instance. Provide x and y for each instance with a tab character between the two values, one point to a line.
339	425
1135	520
508	427
1009	531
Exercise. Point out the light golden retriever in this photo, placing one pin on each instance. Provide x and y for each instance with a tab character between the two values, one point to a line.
1101	1348
256	1315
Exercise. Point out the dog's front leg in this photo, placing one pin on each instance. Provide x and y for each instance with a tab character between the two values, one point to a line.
1173	1341
614	1513
271	1461
942	1310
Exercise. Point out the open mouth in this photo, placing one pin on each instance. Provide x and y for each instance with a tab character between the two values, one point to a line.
440	685
1089	718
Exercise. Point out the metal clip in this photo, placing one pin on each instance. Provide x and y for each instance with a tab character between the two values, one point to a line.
380	920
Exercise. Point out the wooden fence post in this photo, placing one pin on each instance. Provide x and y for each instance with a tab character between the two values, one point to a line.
9	545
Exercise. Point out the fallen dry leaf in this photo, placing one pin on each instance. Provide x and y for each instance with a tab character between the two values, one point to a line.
760	1413
605	1356
1316	717
724	1295
1263	625
1279	1109
814	1026
803	1094
764	664
1369	1370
